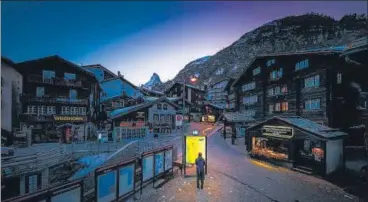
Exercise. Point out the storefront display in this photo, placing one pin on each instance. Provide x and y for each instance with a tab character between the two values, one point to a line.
270	148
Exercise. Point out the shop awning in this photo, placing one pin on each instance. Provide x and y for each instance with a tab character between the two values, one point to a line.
236	117
306	125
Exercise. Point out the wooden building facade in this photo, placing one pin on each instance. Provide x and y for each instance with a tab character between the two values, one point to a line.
57	92
319	86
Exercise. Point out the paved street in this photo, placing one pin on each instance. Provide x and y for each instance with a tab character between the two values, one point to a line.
234	177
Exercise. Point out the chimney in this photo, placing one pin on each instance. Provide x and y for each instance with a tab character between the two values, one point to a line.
119	73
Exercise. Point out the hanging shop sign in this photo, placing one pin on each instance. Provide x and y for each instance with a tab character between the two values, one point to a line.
278	131
71	118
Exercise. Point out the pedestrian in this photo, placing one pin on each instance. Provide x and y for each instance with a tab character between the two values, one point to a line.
200	163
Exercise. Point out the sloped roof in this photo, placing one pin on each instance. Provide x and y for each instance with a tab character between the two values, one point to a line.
186	85
56	58
99	66
115	87
237	117
126	110
152	91
306	125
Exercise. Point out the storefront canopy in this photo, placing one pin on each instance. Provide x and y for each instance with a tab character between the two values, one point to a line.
306	125
236	117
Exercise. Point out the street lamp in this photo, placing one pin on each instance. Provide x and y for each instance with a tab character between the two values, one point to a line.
193	79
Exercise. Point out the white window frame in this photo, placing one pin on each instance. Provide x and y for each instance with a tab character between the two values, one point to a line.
51	110
277	107
31	109
339	78
65	110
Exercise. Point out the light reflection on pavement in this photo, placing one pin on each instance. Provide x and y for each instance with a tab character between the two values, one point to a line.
234	177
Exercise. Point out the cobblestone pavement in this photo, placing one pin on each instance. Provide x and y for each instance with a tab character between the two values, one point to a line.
234	177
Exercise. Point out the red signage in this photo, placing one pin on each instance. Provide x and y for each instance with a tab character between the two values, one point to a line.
179	118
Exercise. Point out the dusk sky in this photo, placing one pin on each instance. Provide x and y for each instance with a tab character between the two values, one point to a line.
139	38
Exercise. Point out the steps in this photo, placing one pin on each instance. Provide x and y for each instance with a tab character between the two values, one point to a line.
303	169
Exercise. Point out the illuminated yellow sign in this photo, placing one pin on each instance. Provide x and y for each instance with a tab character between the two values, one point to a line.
70	118
194	145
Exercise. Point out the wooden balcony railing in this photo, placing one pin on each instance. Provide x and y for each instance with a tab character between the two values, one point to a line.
55	81
36	118
51	99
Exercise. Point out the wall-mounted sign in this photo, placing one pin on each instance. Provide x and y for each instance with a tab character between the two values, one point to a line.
71	118
278	131
140	114
136	124
178	120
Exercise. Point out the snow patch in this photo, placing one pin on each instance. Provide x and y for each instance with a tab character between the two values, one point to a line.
219	71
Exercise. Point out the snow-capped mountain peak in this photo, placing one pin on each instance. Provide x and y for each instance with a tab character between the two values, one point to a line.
155	80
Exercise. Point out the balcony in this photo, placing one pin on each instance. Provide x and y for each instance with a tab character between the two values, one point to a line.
54	100
36	118
54	81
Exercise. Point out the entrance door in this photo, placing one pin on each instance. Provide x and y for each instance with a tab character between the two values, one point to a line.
10	187
303	154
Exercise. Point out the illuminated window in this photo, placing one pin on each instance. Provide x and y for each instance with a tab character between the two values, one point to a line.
302	65
40	91
284	106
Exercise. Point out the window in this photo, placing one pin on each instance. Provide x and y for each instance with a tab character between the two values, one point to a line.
313	104
168	118
302	65
31	109
40	91
155	117
165	106
65	110
276	74
41	110
248	86
284	106
74	111
270	92
247	100
162	118
73	94
278	107
46	74
284	89
270	62
277	90
51	110
250	112
270	108
312	81
256	71
69	76
339	78
82	110
159	106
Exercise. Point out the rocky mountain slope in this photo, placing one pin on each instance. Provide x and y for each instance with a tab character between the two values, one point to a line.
288	34
153	82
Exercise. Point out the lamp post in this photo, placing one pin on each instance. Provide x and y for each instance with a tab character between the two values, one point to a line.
192	79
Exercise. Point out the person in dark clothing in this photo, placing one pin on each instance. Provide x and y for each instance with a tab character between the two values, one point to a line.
200	163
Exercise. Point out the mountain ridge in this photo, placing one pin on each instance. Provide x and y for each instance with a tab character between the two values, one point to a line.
288	34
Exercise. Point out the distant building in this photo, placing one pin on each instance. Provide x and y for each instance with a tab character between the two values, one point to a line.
217	95
100	72
157	116
231	95
193	95
151	93
211	112
11	88
59	99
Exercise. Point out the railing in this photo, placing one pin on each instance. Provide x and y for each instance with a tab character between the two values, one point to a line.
359	42
49	99
38	118
55	81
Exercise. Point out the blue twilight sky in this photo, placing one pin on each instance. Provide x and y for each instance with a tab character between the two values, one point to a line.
139	38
